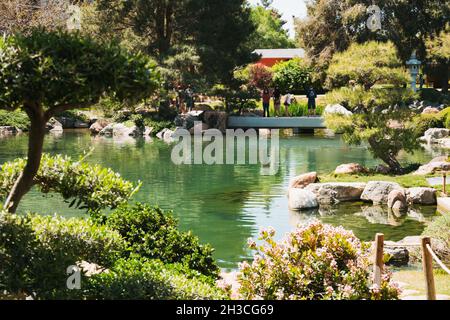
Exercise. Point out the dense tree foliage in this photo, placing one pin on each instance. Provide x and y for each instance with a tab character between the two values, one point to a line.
270	32
366	65
46	73
292	76
333	25
165	28
438	54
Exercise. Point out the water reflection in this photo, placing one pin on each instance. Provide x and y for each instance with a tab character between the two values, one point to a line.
225	204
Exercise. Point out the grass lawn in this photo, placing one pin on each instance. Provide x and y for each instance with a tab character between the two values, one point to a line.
415	280
406	181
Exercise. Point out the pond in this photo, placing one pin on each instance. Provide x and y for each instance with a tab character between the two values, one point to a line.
226	204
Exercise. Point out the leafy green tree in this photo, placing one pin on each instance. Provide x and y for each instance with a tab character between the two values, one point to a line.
47	73
332	25
160	26
382	117
438	54
292	76
270	32
367	64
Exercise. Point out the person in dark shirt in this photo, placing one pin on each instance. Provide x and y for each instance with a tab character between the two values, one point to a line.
311	95
190	103
266	102
277	101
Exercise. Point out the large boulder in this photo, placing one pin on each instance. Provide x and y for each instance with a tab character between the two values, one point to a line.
378	191
432	168
187	120
423	196
398	257
216	120
434	134
440	159
121	130
397	201
337	109
335	192
9	130
304	180
66	122
350	168
301	199
198	127
54	125
430	110
98	126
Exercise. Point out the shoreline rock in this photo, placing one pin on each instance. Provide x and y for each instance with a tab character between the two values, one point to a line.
301	199
350	168
378	192
336	192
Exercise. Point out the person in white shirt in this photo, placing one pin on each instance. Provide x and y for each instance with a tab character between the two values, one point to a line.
287	103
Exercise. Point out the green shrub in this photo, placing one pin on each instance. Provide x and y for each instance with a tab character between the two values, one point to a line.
86	186
76	115
292	76
315	262
142	279
35	252
158	126
18	119
153	233
423	122
357	97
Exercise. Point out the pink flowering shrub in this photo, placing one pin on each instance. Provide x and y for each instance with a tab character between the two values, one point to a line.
315	262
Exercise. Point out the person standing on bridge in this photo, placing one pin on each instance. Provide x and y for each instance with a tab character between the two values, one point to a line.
277	101
311	95
287	103
266	102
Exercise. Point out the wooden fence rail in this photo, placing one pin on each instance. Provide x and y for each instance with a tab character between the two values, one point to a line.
427	263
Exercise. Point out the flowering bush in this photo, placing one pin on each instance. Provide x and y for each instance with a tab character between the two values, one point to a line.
314	262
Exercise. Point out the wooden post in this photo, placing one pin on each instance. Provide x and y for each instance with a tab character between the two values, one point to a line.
444	189
427	262
378	263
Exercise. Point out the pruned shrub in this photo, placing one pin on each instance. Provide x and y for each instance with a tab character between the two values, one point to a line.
143	279
315	262
82	185
153	233
18	119
35	252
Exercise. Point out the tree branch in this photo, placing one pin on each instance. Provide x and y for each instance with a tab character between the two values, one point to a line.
64	107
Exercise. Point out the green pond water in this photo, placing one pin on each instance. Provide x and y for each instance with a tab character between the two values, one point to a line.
226	204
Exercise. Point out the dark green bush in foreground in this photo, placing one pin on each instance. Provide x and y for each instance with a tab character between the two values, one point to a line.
144	279
153	233
17	119
35	252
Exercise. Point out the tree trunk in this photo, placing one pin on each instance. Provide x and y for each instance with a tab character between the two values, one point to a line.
35	145
388	158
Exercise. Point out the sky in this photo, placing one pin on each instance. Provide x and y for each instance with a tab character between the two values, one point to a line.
288	8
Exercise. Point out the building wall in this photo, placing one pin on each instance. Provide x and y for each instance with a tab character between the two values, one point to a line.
269	62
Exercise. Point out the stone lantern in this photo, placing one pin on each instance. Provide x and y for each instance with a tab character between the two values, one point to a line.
413	65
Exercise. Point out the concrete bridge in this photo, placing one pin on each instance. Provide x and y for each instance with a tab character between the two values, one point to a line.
302	123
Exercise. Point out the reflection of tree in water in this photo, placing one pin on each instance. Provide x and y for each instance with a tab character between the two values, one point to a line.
212	201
